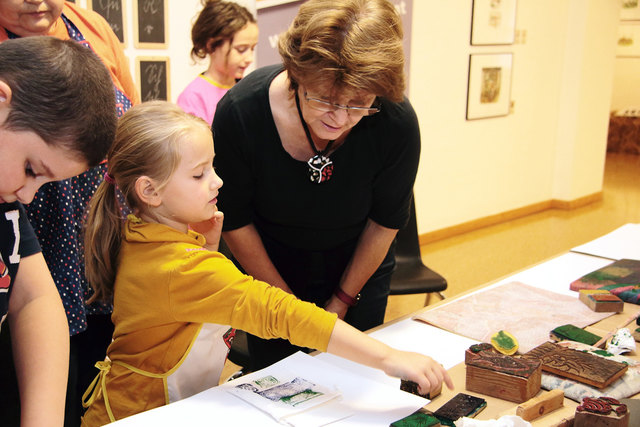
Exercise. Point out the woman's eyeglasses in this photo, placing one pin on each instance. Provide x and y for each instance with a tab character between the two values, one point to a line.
327	107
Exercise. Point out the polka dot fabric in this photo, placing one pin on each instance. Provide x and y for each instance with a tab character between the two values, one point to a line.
56	215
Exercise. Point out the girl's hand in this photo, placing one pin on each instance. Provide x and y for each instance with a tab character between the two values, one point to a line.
211	230
418	368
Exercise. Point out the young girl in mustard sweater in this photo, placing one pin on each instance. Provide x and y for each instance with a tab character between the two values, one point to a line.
176	299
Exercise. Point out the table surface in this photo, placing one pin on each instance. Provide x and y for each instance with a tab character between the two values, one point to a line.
405	333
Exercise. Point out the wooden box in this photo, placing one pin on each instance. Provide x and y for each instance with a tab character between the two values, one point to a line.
494	374
601	300
601	412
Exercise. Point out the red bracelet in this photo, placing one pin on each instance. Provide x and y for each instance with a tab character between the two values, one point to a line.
346	298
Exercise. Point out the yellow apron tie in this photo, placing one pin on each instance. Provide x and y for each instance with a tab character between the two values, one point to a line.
94	389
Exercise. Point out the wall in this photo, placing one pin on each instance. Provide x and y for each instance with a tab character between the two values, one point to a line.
552	145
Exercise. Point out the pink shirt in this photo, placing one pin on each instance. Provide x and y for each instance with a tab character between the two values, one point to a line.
201	96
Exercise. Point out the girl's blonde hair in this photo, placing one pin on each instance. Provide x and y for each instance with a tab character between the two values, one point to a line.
147	143
348	45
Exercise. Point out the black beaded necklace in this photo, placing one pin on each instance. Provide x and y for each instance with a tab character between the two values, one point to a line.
320	166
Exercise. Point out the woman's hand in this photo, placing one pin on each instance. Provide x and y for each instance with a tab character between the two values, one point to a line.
211	229
334	305
421	369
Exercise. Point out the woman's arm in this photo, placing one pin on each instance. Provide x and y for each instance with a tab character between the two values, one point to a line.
372	247
348	342
247	248
40	339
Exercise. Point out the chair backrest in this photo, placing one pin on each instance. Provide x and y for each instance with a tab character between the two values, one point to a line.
407	243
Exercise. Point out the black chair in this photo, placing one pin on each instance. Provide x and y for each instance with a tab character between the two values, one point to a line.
411	276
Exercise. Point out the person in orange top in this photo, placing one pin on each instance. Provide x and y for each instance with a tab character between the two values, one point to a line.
57	209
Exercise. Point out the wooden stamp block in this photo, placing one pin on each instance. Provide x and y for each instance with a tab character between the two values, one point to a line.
461	405
506	377
412	387
420	418
541	405
601	412
573	333
601	300
577	365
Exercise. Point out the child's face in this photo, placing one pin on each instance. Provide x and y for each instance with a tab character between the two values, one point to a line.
27	162
29	18
231	59
190	195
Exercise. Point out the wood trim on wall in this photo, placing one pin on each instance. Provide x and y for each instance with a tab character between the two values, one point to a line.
487	221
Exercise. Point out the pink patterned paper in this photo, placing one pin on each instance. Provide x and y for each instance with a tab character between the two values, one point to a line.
526	312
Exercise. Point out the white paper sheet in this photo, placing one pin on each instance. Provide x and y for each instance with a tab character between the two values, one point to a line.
621	243
371	402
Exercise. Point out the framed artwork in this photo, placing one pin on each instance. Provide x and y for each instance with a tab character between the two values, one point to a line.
151	24
489	91
493	22
630	10
153	77
628	43
113	12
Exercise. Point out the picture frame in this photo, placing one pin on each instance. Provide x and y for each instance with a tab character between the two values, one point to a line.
630	10
493	22
628	42
113	12
153	78
489	87
151	24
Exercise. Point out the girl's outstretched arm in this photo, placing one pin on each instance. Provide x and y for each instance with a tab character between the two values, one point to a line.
348	342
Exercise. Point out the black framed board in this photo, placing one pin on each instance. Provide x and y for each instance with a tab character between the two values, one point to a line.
113	12
153	77
150	24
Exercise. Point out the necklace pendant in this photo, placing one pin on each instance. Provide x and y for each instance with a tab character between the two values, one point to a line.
320	169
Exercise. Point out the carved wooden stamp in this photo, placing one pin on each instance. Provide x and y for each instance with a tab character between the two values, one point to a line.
511	378
577	365
601	300
541	405
412	387
601	412
461	405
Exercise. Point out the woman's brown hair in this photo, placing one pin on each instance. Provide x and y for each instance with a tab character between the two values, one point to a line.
346	44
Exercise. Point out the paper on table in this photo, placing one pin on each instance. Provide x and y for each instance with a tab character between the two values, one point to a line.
620	243
527	312
372	403
282	394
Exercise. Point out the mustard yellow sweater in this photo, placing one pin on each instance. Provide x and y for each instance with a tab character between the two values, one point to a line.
168	288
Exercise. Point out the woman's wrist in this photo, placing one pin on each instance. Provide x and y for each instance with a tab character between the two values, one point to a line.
345	297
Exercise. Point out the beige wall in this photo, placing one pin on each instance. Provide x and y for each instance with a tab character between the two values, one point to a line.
551	146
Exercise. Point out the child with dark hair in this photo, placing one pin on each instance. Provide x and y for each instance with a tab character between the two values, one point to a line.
43	139
227	34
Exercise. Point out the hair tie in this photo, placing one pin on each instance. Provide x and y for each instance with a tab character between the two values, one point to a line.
109	178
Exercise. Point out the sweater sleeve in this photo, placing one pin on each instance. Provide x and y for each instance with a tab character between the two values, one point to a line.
208	288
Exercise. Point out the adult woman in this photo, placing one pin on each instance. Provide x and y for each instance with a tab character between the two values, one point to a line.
319	156
57	209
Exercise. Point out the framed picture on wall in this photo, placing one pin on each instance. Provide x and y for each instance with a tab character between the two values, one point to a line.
493	22
153	77
150	24
113	12
630	10
628	43
489	88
